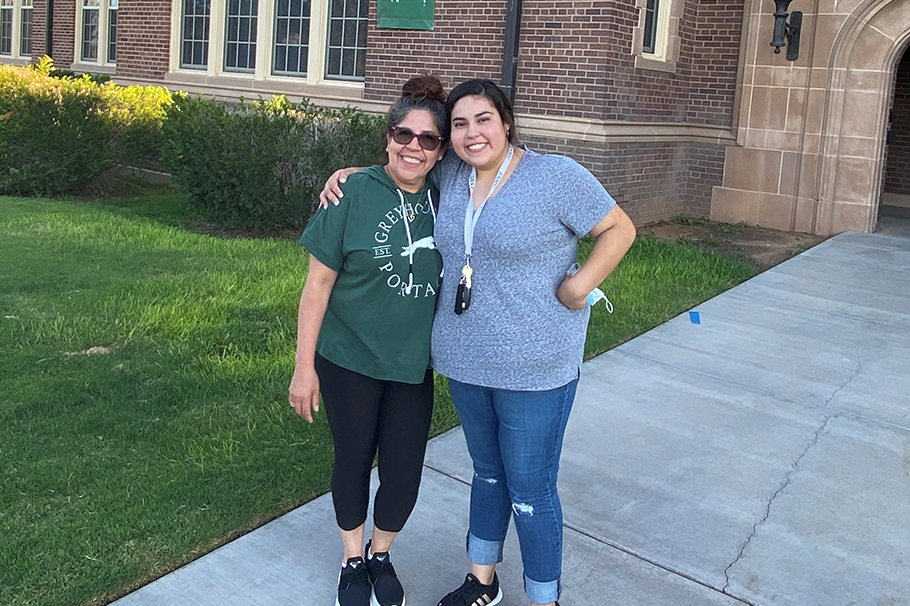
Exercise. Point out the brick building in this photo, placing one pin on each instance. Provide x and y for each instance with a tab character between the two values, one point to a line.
678	106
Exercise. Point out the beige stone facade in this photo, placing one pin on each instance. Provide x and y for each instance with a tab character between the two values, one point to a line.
810	134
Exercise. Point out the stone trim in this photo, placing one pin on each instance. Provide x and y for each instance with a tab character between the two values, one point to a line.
94	68
227	88
598	131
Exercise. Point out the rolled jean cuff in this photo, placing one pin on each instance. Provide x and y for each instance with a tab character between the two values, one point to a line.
483	552
542	593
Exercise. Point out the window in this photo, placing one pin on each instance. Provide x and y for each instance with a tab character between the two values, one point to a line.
25	34
6	27
347	39
112	31
292	37
655	42
90	23
195	47
240	41
650	33
97	27
309	40
16	29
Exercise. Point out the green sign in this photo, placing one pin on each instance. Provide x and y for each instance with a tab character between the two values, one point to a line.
405	14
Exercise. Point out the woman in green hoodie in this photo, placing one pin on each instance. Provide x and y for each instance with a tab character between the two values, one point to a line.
364	326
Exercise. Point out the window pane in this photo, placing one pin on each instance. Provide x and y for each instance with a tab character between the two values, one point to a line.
347	62
292	37
90	33
240	43
347	40
195	34
362	34
350	35
333	64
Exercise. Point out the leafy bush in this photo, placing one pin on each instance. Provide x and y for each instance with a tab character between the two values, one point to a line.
262	164
57	135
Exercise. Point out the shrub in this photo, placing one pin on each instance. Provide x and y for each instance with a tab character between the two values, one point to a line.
262	164
57	135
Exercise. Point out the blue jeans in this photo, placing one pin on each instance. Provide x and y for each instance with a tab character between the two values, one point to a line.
515	439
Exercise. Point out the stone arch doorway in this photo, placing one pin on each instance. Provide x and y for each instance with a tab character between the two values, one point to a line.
861	75
810	134
895	198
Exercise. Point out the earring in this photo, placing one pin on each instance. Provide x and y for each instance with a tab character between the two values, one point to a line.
387	148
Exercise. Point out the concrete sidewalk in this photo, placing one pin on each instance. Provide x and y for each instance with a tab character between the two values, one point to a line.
760	457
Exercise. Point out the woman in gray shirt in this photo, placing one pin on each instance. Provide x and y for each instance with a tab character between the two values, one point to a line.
510	326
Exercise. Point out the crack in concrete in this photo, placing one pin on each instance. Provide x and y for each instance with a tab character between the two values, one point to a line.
788	478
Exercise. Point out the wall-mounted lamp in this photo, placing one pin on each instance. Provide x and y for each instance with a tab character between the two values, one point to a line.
786	34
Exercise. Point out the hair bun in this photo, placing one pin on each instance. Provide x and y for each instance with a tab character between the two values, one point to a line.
424	87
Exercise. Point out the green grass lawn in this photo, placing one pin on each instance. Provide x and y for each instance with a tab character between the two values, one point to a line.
143	387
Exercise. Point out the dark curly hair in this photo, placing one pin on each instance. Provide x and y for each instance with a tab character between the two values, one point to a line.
422	92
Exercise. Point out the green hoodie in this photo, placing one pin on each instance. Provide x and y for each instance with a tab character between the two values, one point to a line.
373	325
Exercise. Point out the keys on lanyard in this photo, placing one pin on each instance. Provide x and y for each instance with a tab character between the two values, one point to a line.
463	294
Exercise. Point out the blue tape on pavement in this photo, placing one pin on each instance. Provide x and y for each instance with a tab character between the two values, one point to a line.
694	317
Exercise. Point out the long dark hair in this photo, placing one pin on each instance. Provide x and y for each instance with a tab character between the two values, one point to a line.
422	92
486	88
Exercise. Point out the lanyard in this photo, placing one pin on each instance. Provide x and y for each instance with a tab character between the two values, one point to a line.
470	215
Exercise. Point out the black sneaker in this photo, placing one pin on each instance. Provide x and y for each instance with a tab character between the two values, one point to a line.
353	584
474	593
387	589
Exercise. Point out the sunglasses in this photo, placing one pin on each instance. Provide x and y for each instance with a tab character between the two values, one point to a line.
404	136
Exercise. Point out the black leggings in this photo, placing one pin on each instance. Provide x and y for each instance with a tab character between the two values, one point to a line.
366	413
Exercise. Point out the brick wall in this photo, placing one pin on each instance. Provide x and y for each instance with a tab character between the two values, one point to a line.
466	43
706	169
143	38
651	181
575	59
64	30
897	173
39	14
710	56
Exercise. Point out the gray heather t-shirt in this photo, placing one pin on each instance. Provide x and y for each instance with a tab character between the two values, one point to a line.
516	335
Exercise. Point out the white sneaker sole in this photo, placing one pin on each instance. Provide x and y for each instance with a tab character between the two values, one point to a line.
497	599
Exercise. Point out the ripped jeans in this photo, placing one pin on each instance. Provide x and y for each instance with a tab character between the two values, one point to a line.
515	439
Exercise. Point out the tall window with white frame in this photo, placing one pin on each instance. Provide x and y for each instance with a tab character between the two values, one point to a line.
194	52
6	27
347	44
25	32
97	26
112	7
649	41
16	29
240	38
292	37
91	18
